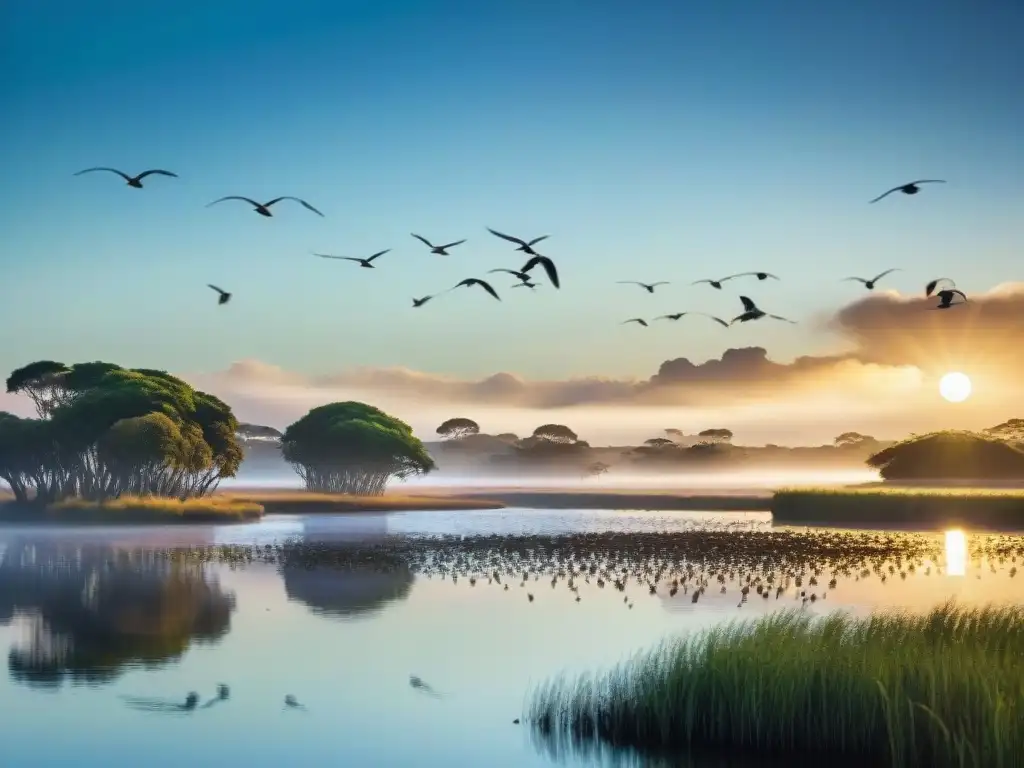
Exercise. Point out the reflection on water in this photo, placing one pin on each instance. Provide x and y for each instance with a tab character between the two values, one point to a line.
956	553
345	591
88	612
478	620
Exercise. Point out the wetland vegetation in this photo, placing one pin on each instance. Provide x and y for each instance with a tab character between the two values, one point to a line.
900	506
941	689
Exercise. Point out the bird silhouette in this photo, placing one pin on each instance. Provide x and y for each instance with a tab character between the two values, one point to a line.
870	284
946	298
524	246
225	297
718	283
549	268
133	181
751	312
420	302
364	263
677	315
911	188
637	320
930	287
526	284
522	277
471	281
440	250
649	287
263	209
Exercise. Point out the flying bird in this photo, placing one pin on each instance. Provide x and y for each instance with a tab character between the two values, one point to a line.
133	181
638	320
440	250
523	277
649	287
420	302
365	263
677	315
263	209
526	247
946	298
929	289
471	281
225	297
909	189
751	312
526	284
549	267
718	283
870	284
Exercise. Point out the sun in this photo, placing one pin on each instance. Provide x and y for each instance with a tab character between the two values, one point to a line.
955	387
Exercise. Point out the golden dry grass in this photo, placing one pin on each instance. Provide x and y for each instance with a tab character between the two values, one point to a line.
305	502
135	509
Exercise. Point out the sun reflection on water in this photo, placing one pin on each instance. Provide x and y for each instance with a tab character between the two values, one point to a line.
956	553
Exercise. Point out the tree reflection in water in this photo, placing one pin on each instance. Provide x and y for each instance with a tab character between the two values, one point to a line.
356	586
92	611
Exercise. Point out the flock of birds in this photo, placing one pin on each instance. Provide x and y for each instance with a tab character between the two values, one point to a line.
524	275
743	558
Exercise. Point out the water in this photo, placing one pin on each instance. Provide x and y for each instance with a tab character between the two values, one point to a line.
343	643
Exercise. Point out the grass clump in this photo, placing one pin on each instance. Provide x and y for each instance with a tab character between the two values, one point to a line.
303	502
941	689
138	509
900	505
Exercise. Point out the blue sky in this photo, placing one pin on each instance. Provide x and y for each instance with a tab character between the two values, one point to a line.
652	141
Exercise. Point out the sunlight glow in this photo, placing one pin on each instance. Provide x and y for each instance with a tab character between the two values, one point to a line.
955	387
956	553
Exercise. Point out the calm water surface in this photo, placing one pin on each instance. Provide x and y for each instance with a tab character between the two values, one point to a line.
100	655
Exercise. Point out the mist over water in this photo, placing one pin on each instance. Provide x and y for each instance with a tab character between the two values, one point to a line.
723	481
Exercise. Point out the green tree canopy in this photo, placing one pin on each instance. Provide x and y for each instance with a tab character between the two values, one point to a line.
949	456
352	447
458	427
93	416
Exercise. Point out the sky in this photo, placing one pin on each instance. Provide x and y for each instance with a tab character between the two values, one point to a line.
651	141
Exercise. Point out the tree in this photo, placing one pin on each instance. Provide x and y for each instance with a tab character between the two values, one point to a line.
1011	430
674	434
555	433
949	456
658	442
596	469
257	432
716	435
853	440
457	428
42	382
105	431
352	447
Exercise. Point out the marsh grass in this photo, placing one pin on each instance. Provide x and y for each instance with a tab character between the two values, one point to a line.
941	689
1000	507
137	509
303	502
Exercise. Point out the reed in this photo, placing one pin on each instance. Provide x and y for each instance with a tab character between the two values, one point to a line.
933	507
941	689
